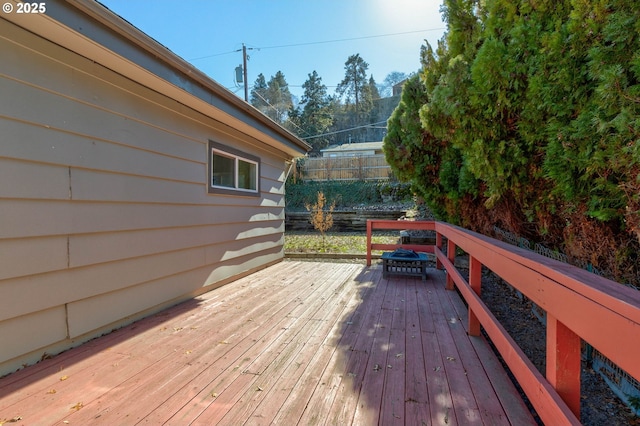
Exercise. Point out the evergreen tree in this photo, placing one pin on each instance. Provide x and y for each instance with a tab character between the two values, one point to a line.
337	113
505	148
259	93
372	89
449	113
530	116
359	94
593	150
316	116
414	155
279	98
593	142
355	80
293	123
370	94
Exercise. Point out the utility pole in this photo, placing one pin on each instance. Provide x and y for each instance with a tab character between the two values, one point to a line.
244	69
240	78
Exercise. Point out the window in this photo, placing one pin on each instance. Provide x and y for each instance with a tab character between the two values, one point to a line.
232	171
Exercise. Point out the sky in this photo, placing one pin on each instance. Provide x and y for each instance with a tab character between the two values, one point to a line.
292	36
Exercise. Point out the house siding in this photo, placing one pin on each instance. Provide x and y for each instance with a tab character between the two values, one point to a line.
104	210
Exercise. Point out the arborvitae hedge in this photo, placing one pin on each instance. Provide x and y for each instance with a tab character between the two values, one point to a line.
529	119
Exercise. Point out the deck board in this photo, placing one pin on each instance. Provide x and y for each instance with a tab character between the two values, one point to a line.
488	405
298	343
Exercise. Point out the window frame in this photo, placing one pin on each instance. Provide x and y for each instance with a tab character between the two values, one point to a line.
236	155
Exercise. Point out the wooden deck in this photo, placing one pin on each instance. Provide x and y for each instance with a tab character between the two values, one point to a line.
297	343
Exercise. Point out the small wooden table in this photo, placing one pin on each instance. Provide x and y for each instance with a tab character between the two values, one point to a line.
404	265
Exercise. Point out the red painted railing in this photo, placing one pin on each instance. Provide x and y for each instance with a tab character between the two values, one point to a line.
579	305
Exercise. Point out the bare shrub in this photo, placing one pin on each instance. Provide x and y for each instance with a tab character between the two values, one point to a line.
321	219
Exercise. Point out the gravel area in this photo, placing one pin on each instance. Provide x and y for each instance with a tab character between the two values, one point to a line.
599	405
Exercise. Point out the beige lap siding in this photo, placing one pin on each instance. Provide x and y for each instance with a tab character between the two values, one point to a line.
104	210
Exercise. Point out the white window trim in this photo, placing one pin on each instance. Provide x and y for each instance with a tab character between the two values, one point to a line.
236	155
235	158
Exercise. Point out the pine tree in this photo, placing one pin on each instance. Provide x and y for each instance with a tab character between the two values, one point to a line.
258	97
355	80
278	97
316	116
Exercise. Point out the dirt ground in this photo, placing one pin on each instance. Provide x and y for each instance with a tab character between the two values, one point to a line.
599	405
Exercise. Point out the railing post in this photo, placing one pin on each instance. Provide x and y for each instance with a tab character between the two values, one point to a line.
368	242
563	362
451	255
439	245
475	282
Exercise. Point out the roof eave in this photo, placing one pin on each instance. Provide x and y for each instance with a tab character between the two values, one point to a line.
115	36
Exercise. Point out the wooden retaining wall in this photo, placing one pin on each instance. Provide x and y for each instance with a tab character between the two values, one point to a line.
346	221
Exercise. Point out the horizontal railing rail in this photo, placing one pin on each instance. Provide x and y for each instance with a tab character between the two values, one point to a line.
579	305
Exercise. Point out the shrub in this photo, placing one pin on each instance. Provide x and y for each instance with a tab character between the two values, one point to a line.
321	220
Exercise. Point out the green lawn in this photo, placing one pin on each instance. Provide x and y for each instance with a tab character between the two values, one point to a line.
335	242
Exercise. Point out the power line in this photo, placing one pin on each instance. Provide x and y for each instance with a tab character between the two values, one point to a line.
350	39
323	42
371	125
212	56
345	130
275	109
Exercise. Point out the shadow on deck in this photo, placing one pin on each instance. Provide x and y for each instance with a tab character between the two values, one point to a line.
296	343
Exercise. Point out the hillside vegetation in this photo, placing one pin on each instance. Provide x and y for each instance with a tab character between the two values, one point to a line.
527	116
348	195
